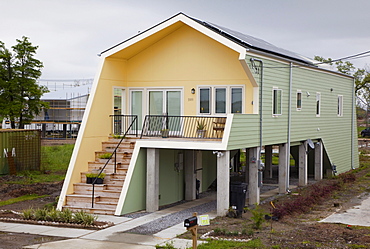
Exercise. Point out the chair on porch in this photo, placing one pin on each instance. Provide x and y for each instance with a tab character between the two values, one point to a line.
219	126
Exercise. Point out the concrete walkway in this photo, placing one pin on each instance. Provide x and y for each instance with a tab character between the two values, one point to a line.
355	216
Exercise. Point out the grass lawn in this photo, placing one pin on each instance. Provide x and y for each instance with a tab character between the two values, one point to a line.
21	198
54	164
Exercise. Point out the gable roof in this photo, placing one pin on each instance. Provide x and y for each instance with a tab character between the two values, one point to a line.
246	41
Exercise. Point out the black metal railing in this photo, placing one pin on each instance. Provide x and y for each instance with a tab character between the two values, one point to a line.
183	126
114	154
122	122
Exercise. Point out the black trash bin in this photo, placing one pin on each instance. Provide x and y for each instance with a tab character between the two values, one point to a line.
238	191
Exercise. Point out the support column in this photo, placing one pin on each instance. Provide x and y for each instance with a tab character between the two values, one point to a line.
267	173
318	161
247	166
190	176
283	168
302	169
152	180
253	188
223	182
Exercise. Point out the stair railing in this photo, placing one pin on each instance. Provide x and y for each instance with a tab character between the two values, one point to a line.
134	121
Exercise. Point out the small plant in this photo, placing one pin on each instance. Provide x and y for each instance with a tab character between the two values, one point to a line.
27	214
52	215
105	156
94	175
201	125
117	136
168	245
81	217
258	217
40	214
66	216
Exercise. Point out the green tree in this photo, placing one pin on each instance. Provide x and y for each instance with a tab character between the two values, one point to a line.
19	92
362	76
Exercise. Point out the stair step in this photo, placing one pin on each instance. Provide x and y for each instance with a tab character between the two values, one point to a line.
90	210
106	195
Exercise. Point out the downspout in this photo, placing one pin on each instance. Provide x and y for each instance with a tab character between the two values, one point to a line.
352	124
260	112
289	124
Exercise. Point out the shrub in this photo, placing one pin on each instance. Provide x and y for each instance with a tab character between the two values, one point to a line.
52	215
81	217
66	215
310	196
28	214
40	214
258	217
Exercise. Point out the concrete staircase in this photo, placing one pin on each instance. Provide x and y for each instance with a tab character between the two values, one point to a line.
106	195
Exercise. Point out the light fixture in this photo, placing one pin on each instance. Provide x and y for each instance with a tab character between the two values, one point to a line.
308	94
331	89
192	91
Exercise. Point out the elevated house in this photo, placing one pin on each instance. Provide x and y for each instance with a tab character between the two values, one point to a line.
189	95
63	117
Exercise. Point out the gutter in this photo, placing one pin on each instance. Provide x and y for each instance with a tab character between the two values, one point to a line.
289	123
260	167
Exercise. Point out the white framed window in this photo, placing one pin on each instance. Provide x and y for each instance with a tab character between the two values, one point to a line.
340	106
318	104
205	100
299	100
220	99
276	101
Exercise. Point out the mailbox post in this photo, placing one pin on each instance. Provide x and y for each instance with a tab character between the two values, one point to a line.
191	225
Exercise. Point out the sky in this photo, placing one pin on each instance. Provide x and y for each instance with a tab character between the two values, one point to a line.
71	33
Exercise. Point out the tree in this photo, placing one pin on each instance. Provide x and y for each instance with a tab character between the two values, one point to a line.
19	92
362	76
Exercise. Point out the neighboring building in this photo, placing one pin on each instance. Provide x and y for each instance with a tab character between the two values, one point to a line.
244	92
63	117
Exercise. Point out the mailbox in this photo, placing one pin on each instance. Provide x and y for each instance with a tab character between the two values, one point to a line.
190	222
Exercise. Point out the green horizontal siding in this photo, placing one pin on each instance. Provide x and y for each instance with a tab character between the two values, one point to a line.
336	132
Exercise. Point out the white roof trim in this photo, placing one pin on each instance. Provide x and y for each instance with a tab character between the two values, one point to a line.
186	20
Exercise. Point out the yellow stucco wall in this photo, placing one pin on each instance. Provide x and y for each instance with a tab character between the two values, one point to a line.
186	58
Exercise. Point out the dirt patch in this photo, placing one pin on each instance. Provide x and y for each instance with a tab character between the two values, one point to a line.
10	190
19	240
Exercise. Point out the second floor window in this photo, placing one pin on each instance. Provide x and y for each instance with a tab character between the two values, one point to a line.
299	100
220	100
318	104
276	101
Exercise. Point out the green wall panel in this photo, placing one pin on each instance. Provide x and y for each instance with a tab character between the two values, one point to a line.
171	179
136	195
337	133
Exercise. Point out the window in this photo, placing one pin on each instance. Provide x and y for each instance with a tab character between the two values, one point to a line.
205	97
236	100
220	100
276	102
318	107
340	106
299	100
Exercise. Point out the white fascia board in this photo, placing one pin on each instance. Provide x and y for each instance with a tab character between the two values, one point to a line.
186	20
